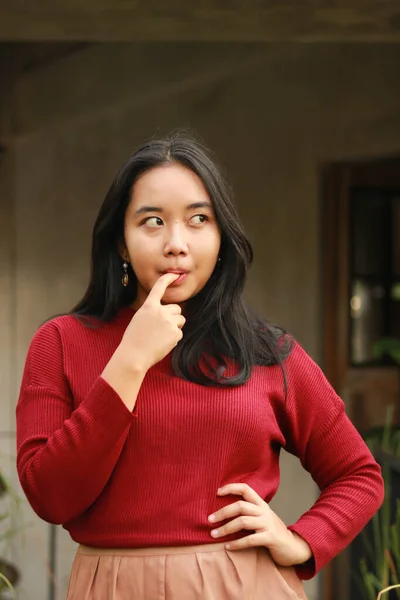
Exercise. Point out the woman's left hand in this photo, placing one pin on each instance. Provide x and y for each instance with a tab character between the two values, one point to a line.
253	513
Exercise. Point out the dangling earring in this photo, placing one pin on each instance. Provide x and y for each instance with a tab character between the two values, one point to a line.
125	277
219	261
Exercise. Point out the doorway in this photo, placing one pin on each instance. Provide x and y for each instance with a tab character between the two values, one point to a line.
361	241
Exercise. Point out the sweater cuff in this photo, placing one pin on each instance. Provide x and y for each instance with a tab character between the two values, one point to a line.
104	402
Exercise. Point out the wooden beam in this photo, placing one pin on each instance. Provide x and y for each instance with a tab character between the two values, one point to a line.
209	20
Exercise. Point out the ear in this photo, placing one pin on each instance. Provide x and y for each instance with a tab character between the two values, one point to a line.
122	250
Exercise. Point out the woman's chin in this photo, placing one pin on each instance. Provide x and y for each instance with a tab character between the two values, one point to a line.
176	296
175	299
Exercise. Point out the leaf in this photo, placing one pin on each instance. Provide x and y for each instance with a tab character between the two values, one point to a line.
11	532
8	584
387	431
369	548
366	577
392	587
395	539
377	537
389	346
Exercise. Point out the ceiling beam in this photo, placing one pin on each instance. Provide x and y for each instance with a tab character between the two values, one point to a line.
209	20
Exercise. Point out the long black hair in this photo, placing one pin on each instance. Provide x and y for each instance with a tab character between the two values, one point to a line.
220	326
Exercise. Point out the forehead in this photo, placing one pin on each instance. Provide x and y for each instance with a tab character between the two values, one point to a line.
168	184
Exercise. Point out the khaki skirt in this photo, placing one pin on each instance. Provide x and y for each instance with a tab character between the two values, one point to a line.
206	572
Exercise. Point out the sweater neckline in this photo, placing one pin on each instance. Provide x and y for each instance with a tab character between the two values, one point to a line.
125	314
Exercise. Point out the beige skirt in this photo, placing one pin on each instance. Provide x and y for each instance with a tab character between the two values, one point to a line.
206	572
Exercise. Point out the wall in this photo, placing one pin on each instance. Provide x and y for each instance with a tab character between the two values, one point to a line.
8	372
272	114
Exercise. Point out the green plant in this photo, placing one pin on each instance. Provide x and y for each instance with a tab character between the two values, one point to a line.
9	507
380	566
391	587
387	346
6	582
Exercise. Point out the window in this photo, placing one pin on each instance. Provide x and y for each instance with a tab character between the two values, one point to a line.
374	245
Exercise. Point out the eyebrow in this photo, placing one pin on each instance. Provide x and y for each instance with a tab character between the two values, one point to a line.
194	205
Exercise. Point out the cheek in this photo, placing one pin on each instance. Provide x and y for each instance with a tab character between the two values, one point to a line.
142	261
208	251
141	256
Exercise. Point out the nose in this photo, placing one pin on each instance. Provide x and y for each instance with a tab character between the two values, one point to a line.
175	242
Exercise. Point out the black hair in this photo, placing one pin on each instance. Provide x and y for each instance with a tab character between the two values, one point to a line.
220	326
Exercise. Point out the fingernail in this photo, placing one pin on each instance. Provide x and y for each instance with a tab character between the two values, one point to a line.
227	546
215	533
211	518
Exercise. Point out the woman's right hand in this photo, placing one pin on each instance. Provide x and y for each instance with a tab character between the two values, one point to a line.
154	330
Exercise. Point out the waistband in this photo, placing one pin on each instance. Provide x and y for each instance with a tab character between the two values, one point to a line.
159	551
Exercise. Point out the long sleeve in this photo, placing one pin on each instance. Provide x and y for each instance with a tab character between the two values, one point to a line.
64	456
332	451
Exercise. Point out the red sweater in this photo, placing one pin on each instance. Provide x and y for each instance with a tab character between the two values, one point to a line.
119	479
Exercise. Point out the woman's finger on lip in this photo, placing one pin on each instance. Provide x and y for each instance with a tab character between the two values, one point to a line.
232	510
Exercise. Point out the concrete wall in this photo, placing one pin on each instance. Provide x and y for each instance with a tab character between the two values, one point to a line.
272	114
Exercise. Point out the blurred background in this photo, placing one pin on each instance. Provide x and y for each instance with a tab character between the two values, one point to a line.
300	102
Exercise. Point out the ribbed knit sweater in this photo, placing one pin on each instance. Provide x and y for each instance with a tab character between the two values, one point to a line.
120	479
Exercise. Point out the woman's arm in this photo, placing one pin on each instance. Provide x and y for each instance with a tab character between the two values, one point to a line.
64	456
318	431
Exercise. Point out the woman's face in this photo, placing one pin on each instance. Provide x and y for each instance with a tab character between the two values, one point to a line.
170	226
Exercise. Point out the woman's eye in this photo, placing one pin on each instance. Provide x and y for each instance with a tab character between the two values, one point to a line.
153	222
199	219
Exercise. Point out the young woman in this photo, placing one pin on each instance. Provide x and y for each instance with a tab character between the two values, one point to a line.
151	418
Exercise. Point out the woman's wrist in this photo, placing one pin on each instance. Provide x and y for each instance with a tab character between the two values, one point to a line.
128	362
125	377
303	550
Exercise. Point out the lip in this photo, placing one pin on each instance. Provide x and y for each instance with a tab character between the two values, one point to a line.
182	276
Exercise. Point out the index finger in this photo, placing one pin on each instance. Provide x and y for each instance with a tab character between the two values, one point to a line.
159	288
241	489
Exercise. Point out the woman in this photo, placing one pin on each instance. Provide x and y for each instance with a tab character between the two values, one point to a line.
150	419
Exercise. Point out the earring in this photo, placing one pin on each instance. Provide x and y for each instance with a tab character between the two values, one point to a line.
125	277
219	260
